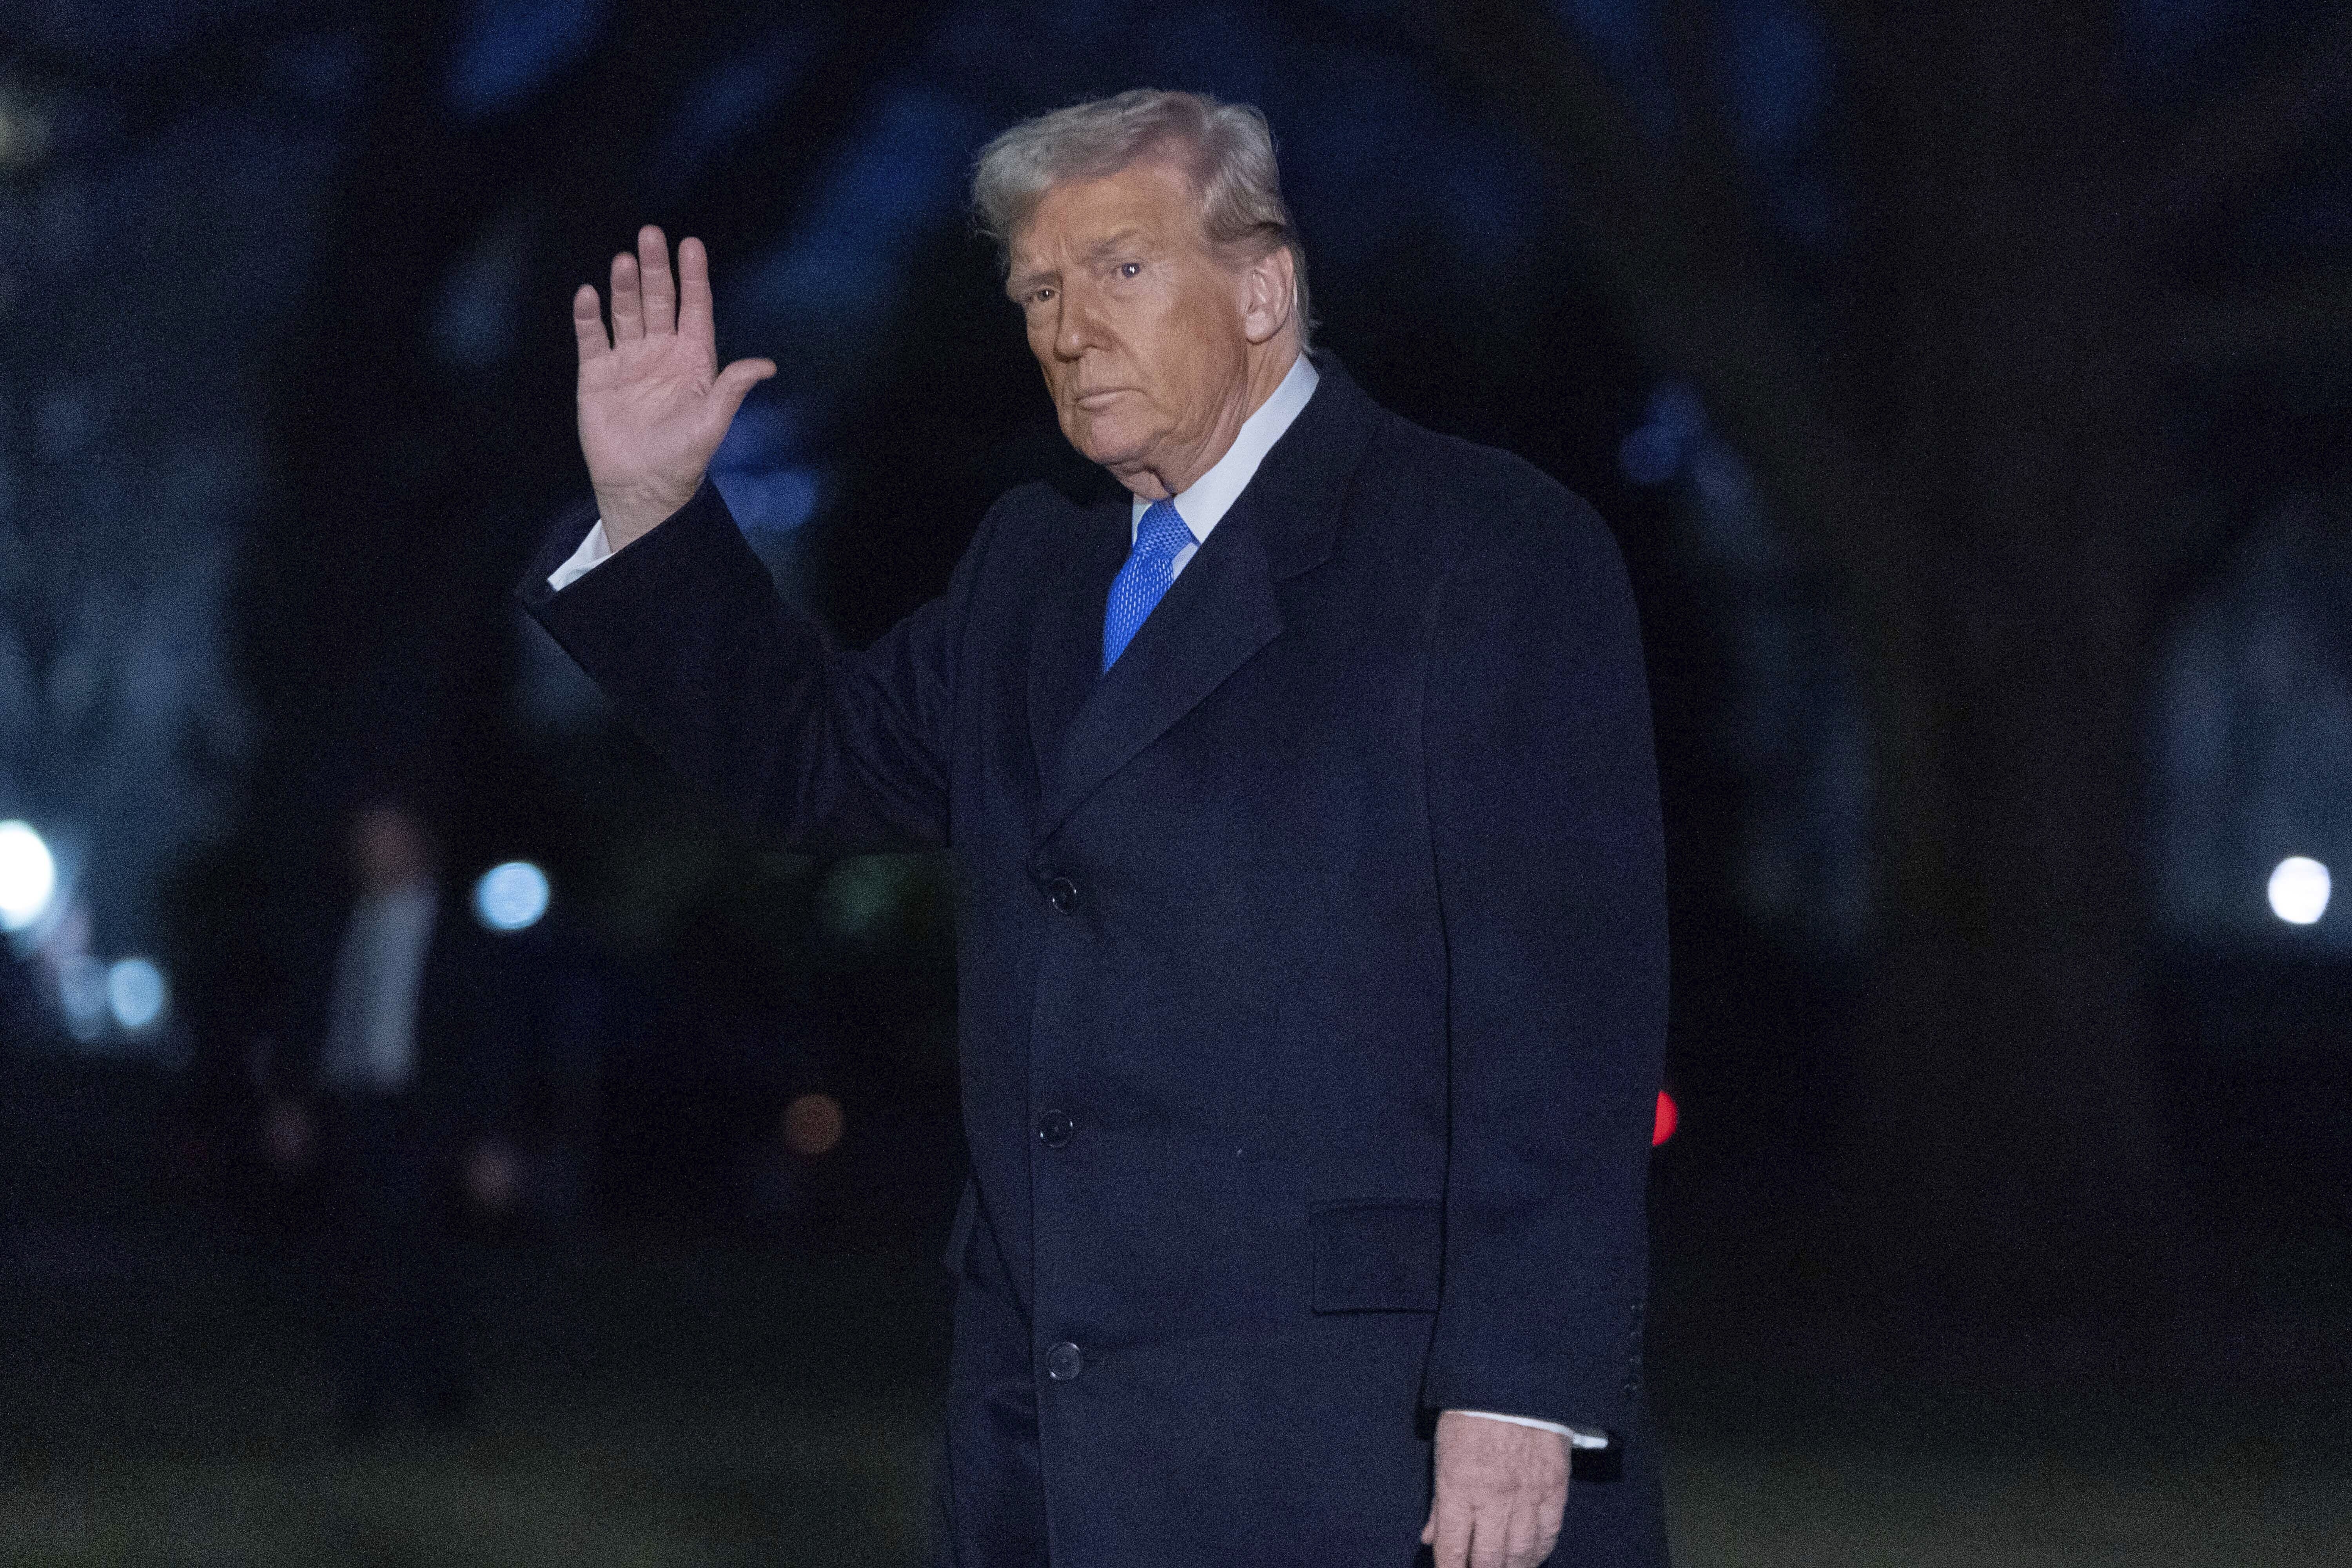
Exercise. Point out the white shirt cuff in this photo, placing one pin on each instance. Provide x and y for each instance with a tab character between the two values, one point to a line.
593	552
1576	1440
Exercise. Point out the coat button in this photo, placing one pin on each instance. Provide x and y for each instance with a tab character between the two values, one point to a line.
1065	1361
1062	894
1055	1129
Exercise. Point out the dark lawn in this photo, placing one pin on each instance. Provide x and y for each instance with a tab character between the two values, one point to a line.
162	1405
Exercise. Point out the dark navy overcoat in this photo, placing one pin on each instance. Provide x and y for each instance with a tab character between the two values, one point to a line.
1311	968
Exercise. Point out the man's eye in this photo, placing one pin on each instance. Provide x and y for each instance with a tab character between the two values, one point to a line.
1040	296
1130	269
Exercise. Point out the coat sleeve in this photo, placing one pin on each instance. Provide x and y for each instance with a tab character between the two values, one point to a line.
816	748
1545	832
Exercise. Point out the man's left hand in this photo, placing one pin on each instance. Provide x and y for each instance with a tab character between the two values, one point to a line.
1501	1487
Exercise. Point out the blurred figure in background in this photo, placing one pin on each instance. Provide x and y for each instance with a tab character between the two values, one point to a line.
399	1094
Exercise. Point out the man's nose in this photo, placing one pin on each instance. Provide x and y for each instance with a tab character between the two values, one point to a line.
1075	331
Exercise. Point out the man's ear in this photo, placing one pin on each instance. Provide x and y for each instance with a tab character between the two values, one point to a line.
1269	294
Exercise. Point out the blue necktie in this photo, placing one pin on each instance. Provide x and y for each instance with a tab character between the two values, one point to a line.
1160	537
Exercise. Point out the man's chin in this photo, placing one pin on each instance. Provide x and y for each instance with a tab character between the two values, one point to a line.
1105	442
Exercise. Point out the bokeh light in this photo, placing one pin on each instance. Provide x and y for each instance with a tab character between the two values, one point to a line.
813	1125
137	994
511	897
28	876
1663	1126
2299	889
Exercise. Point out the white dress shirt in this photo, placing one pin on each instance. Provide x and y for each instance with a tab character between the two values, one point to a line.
1202	505
1205	503
371	1044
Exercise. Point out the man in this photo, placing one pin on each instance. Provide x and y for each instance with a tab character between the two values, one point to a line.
404	1095
1310	933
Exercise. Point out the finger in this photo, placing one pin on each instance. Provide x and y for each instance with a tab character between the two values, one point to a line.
588	323
1549	1520
693	314
1517	1536
1490	1541
738	379
1429	1527
628	307
659	287
1453	1543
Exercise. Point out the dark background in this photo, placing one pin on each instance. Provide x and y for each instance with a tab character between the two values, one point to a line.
1968	384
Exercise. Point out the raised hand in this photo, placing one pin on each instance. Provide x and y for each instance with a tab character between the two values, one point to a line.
653	401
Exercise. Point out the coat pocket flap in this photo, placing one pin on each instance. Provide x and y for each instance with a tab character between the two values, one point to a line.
1376	1257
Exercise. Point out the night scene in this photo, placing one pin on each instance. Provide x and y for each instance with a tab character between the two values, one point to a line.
988	783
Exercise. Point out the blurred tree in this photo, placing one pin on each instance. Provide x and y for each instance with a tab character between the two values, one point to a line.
2255	728
1965	406
158	166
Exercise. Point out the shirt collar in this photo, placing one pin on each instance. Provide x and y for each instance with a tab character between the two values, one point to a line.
1214	493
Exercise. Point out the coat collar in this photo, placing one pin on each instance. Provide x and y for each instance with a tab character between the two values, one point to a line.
1293	503
1217	614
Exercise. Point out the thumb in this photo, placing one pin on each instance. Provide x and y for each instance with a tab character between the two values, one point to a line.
1429	1530
737	380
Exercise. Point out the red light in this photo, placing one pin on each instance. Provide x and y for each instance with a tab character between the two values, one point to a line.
813	1124
1663	1127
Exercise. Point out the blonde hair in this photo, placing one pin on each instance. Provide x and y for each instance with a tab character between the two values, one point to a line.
1226	149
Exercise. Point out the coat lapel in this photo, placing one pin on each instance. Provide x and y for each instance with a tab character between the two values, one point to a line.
1065	645
1216	615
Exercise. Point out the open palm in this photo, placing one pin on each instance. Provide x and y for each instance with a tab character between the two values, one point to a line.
653	404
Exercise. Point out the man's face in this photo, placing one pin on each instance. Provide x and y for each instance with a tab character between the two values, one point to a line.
389	849
1137	324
